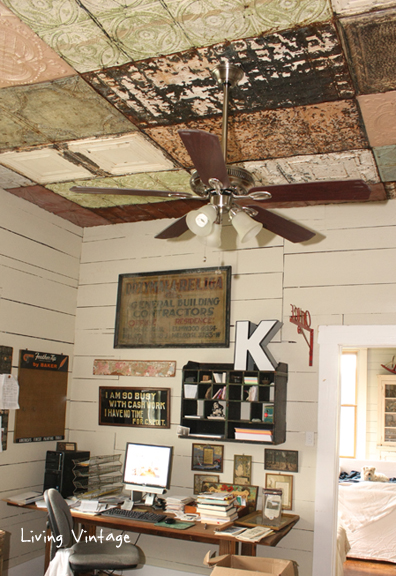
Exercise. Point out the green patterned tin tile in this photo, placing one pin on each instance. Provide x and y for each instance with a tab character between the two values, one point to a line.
385	157
57	111
92	35
176	181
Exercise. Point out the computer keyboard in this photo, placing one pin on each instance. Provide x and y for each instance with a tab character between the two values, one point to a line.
152	517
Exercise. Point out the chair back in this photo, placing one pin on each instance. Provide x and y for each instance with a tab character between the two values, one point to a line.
60	520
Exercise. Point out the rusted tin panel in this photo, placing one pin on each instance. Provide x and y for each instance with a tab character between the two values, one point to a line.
58	205
370	41
65	109
138	213
379	115
318	129
295	67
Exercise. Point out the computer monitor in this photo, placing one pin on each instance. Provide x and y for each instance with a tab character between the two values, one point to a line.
147	469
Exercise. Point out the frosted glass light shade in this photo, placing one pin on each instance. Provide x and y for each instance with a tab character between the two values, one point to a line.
214	238
200	222
245	226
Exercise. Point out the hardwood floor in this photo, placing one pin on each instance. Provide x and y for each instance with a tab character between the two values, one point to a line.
365	567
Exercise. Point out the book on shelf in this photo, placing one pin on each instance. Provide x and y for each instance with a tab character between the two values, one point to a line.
268	413
220	377
253	434
217	436
250	379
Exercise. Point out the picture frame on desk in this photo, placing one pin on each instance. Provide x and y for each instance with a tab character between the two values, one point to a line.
207	457
285	483
208	479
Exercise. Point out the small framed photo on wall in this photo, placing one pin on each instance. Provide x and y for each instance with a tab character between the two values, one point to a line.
207	457
242	469
282	460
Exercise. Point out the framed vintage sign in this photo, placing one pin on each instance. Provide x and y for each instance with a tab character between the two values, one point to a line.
137	407
179	309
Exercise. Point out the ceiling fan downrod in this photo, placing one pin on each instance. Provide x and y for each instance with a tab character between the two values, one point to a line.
227	75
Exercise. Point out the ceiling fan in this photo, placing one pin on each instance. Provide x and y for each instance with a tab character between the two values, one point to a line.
230	191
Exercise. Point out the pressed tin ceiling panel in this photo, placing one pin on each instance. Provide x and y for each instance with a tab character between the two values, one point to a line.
11	179
43	165
386	162
301	66
91	34
371	43
62	110
24	57
379	115
177	181
130	153
327	127
354	164
344	7
310	107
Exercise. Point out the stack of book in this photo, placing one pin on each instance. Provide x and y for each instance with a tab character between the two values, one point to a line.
177	503
253	435
216	507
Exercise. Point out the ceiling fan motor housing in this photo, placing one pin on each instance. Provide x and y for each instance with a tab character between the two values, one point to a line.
241	180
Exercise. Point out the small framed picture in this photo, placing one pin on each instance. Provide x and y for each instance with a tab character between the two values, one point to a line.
242	469
282	460
283	482
207	478
207	457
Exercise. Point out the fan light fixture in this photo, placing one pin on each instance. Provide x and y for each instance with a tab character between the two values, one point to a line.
201	221
246	227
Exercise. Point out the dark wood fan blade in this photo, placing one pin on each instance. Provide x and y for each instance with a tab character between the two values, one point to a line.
281	226
205	151
174	230
132	192
333	190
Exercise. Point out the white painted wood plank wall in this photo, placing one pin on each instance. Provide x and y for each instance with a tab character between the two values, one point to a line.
346	278
39	270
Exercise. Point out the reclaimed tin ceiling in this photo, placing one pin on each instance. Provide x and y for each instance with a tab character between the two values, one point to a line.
93	92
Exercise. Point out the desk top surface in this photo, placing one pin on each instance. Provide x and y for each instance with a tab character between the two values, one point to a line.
199	532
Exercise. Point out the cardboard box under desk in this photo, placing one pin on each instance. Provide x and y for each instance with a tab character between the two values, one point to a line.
232	565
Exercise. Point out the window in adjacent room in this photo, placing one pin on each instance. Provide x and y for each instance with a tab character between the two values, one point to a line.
348	409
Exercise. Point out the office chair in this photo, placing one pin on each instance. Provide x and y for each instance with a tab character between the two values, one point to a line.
85	556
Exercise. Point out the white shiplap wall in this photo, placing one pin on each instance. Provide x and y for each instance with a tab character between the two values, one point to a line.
343	277
39	268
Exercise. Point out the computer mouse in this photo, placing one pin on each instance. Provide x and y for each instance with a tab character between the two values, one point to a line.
170	520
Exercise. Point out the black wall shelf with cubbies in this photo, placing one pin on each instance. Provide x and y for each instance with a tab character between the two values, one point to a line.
230	405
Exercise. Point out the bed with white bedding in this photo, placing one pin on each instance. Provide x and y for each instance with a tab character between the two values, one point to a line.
367	511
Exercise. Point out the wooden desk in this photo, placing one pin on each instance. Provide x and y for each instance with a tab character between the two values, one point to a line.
196	533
